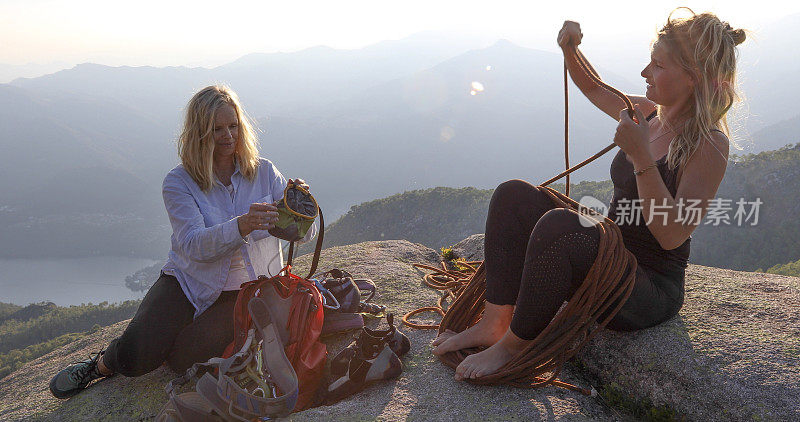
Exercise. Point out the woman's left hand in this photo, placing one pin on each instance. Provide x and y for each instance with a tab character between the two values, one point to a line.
301	183
632	135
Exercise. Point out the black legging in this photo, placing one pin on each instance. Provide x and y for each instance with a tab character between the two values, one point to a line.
163	329
537	255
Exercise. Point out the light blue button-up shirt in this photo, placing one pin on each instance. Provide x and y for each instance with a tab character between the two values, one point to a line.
205	234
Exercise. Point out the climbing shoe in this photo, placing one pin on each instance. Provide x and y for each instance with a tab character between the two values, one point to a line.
74	378
394	338
373	356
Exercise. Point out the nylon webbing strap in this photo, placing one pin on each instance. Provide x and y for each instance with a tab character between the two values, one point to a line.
317	248
225	396
566	125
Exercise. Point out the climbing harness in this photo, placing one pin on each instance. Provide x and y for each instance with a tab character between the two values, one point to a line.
541	361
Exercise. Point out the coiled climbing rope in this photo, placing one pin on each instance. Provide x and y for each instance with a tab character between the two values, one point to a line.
574	325
450	282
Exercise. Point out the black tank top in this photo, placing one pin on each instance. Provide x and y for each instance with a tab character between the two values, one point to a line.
637	237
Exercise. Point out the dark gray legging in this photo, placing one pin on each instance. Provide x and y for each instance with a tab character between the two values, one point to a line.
537	255
163	330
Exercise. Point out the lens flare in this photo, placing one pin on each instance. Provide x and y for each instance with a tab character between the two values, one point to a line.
447	133
476	87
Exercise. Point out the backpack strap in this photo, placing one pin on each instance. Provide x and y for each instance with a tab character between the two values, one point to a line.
225	396
318	248
187	407
236	362
339	322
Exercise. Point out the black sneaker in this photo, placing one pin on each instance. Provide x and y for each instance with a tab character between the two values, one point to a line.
74	378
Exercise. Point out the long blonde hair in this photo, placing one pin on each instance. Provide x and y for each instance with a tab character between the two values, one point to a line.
196	142
705	47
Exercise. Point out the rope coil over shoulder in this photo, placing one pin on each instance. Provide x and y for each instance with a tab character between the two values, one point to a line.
541	361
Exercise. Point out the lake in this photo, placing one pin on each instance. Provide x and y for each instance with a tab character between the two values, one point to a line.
69	281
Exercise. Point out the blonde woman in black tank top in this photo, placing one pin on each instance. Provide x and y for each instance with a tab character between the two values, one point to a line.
674	151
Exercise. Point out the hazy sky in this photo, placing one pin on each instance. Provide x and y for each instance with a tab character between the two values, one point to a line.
207	33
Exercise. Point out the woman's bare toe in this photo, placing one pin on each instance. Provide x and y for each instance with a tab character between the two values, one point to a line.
492	359
482	334
463	369
442	337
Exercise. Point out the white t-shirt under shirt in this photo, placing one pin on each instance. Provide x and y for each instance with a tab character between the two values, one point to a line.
237	274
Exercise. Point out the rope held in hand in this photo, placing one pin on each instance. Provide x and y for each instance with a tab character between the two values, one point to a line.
605	284
592	74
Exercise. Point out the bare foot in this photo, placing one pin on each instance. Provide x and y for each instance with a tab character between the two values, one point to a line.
489	329
442	337
490	360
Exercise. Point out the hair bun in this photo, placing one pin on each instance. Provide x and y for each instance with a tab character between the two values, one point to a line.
738	35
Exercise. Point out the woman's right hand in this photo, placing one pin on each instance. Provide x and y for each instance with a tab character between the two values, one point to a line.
261	216
570	34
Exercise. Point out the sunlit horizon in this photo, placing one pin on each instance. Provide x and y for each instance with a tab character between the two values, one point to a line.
209	34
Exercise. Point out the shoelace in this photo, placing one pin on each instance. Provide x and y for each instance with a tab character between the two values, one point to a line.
80	374
372	309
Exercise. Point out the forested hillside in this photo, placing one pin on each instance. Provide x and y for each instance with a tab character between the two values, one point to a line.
34	330
442	216
773	177
791	268
433	217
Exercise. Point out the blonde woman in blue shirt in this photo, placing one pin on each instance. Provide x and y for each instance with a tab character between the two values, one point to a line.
221	204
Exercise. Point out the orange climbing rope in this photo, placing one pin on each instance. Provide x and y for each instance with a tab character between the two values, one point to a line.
574	325
450	282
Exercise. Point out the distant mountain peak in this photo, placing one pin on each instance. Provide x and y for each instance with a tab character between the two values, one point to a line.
502	43
89	65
